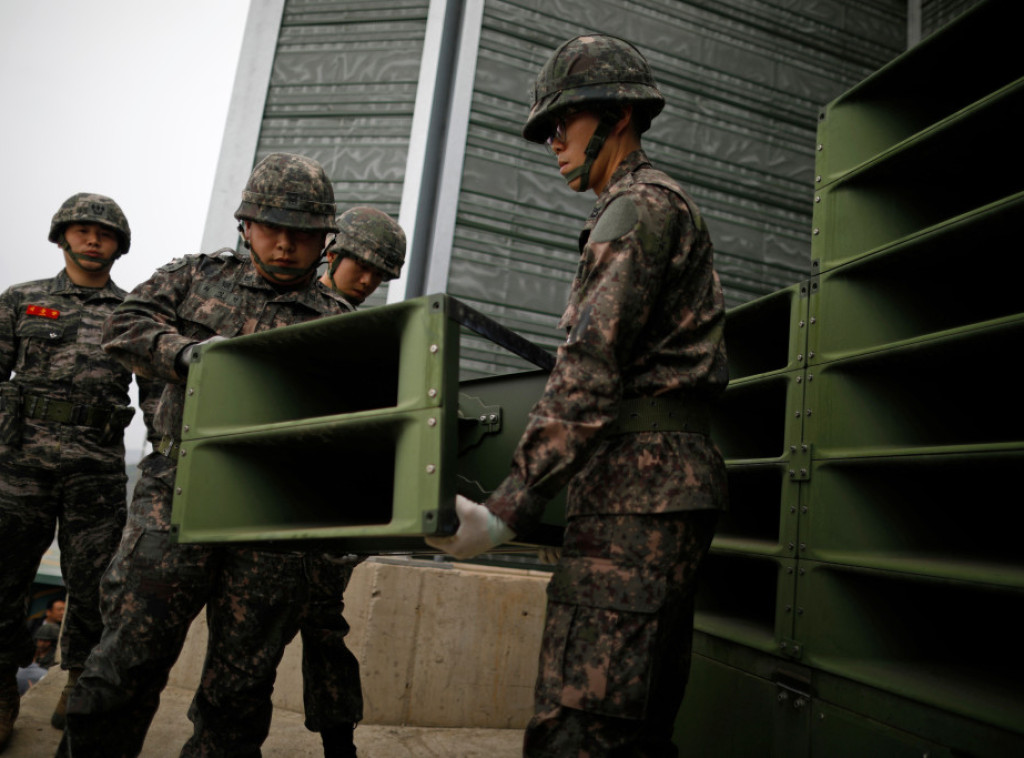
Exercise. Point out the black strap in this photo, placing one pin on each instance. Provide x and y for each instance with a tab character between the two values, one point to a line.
659	414
65	412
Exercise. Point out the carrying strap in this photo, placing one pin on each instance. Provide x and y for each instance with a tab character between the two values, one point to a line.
660	414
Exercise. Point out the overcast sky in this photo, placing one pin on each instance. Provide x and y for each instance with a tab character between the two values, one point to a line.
126	98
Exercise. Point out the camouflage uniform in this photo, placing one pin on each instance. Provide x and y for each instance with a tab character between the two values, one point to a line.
153	589
64	406
330	673
256	600
645	320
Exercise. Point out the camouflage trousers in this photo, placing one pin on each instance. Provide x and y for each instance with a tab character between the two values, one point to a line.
615	655
256	602
88	509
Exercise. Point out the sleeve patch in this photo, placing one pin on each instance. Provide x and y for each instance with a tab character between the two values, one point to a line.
618	218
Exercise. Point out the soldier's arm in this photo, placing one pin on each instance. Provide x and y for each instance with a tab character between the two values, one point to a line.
143	331
584	390
8	340
149	398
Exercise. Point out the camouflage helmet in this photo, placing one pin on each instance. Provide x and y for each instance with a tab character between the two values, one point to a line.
47	632
370	236
289	190
89	208
592	68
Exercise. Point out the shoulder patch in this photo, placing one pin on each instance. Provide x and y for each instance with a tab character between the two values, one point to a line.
618	219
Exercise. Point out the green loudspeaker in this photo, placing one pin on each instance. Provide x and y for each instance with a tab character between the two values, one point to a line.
353	429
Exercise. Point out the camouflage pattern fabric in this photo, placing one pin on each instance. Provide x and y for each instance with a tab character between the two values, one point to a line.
645	319
54	473
276	595
616	649
90	208
592	68
371	236
153	589
285	189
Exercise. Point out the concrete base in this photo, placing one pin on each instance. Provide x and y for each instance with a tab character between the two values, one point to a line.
448	654
35	738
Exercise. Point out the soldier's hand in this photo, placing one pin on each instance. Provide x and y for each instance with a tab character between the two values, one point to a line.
479	531
184	358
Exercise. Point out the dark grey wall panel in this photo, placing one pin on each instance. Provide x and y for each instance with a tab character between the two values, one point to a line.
743	79
342	91
937	13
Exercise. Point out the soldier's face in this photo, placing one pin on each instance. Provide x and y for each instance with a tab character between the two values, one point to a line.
92	244
296	249
355	279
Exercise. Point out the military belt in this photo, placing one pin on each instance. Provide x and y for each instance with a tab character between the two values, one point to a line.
64	412
170	447
659	414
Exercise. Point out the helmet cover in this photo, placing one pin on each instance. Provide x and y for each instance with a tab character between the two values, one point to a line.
90	208
590	69
289	190
371	236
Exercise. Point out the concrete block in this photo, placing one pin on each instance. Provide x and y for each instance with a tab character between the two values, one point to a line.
439	644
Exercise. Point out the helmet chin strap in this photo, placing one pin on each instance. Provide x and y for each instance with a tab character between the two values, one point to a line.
331	269
81	258
597	140
284	275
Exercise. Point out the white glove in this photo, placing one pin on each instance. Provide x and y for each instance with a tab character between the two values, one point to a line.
479	531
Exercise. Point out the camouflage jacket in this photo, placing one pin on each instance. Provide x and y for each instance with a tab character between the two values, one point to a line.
50	347
192	299
645	319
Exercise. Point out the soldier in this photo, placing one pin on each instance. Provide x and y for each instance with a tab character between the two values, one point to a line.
312	585
370	249
644	351
64	406
153	589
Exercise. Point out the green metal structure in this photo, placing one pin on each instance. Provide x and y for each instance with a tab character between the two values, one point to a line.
862	596
354	429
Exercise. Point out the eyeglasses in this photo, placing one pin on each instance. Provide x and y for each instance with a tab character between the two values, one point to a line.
559	127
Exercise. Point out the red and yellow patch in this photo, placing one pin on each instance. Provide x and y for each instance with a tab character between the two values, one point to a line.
38	310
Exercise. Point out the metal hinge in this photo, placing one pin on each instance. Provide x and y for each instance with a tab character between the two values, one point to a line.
476	420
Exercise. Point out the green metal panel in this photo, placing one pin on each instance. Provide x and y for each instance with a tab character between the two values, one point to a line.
914	398
748	599
881	449
839	733
896	513
353	429
950	70
916	637
732	711
742	702
905	292
923	183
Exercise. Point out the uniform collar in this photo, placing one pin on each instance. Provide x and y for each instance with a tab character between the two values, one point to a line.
62	283
632	162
